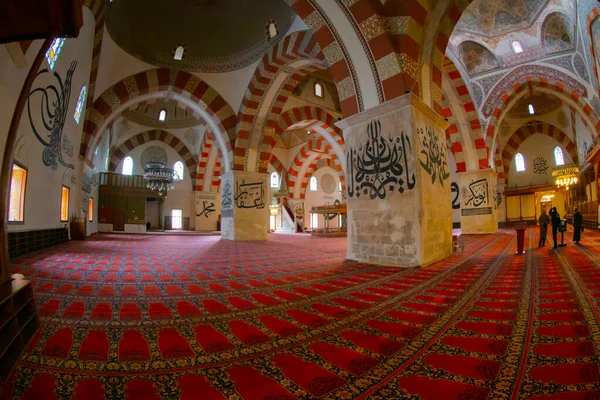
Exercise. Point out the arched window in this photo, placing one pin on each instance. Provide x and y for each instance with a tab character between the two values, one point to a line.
274	180
520	162
313	184
340	186
558	156
179	53
272	30
531	109
162	115
80	103
517	48
54	51
178	168
318	90
128	166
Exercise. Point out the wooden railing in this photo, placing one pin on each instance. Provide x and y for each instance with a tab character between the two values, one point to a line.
119	180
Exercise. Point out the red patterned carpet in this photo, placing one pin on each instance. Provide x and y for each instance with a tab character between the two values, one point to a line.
174	317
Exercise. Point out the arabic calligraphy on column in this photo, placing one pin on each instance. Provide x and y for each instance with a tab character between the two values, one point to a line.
226	196
454	189
206	209
249	195
435	160
478	193
498	199
53	107
380	165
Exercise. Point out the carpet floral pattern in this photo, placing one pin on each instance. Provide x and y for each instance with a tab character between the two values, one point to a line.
146	317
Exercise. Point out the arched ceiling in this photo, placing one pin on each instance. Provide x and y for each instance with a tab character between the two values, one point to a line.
543	103
177	116
498	17
218	35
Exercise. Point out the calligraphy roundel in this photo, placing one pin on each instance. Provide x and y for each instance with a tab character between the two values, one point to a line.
154	154
328	183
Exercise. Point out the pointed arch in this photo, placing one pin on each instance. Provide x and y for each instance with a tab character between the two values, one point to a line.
188	89
531	79
190	161
520	135
274	79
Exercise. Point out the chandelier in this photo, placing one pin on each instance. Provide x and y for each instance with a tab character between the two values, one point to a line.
566	176
158	177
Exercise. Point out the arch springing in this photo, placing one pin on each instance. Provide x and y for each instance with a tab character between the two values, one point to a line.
520	162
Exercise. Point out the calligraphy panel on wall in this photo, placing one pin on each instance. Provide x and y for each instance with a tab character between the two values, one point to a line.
207	211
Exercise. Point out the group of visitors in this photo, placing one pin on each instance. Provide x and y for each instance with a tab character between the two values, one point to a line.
553	218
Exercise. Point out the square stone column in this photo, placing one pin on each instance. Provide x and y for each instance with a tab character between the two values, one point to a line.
478	201
207	208
244	205
399	202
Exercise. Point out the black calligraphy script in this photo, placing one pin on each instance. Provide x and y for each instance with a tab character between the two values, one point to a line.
454	189
478	193
498	199
226	196
54	107
250	195
379	165
435	160
540	166
206	209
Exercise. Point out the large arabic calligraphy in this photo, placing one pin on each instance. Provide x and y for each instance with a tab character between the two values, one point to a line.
207	209
478	193
435	162
250	195
54	104
379	165
454	189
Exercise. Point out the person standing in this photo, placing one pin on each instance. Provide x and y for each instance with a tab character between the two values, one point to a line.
555	225
543	220
577	225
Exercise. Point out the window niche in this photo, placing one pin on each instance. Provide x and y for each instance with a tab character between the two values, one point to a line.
18	183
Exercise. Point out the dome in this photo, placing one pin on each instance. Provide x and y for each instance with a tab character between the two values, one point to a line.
216	35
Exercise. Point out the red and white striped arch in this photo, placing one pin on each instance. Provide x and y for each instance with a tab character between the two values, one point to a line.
159	135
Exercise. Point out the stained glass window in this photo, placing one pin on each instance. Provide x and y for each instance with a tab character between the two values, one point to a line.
178	168
272	30
558	156
531	109
80	103
64	204
318	90
313	184
520	162
54	51
162	115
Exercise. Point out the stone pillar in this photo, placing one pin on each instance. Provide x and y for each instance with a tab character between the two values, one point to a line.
399	203
244	207
478	202
207	209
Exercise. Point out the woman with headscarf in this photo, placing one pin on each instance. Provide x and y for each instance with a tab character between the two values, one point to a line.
577	225
544	221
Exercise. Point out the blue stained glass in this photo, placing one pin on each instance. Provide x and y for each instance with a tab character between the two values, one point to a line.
80	103
54	51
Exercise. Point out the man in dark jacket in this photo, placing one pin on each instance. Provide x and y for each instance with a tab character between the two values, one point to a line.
555	217
577	226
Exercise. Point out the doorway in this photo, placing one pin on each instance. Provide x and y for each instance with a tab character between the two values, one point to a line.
176	219
119	221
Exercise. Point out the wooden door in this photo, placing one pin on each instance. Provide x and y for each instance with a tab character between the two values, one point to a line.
119	221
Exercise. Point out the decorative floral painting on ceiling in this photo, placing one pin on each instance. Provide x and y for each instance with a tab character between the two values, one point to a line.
596	41
496	17
477	58
558	33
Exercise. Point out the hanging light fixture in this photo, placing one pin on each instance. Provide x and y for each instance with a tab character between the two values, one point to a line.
566	175
158	177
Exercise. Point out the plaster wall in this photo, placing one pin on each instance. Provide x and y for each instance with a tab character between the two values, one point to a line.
321	198
44	183
182	197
